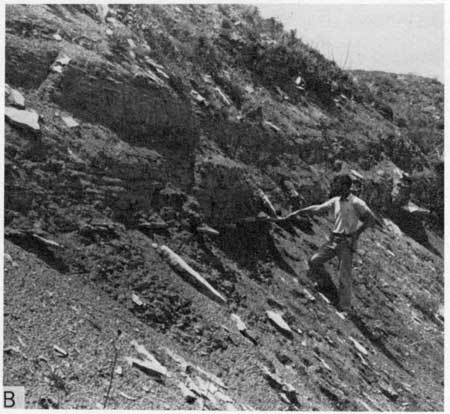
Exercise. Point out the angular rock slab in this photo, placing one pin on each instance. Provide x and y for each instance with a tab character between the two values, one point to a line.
188	395
28	120
239	323
14	97
358	346
146	366
278	320
242	328
388	391
153	363
207	230
193	277
283	387
70	122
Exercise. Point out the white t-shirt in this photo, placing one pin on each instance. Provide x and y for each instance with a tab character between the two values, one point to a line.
347	213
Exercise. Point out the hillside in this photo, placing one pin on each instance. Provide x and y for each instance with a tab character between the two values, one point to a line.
140	145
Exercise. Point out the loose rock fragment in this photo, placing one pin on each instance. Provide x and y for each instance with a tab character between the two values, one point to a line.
57	37
10	261
366	406
357	174
63	60
211	377
363	361
242	328
177	358
147	367
188	395
358	346
61	352
136	299
153	226
199	98
179	265
14	97
126	396
341	315
239	323
11	349
28	120
223	97
278	320
277	383
48	402
415	209
324	297
207	230
156	366
42	358
327	367
387	390
48	242
308	295
266	201
57	68
70	122
154	64
162	73
272	126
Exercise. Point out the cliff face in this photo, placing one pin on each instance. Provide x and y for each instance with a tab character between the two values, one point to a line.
145	126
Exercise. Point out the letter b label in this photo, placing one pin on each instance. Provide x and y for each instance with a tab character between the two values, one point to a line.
13	397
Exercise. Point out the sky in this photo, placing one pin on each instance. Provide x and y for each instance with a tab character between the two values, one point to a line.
399	38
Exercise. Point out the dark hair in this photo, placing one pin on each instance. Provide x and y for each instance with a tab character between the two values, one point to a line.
343	179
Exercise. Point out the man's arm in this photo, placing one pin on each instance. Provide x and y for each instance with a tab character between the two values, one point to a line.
368	219
311	210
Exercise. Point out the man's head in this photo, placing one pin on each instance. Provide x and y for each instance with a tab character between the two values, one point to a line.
341	186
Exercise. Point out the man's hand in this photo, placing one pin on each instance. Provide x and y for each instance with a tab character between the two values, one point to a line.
289	216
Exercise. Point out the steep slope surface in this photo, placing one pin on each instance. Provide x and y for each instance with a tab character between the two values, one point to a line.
158	122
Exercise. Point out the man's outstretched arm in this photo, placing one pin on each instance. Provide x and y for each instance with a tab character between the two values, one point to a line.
311	210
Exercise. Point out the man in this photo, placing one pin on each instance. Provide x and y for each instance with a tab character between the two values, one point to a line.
351	217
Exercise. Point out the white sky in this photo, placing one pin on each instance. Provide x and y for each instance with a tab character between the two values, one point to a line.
400	38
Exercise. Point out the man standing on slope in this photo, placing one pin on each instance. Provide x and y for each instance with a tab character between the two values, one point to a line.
351	217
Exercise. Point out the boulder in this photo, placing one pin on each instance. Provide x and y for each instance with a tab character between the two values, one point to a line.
28	120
